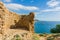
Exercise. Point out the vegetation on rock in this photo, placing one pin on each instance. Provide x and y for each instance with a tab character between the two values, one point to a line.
56	30
16	37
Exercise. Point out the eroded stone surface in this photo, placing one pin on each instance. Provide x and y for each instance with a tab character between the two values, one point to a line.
12	20
12	24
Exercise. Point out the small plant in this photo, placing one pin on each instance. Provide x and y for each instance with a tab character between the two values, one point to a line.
35	38
41	35
16	37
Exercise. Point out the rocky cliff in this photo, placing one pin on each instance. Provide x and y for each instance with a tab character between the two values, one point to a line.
11	20
12	24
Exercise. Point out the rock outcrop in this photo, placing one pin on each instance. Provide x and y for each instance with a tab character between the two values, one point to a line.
11	20
26	22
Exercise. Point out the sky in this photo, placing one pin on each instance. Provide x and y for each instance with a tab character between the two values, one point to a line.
45	10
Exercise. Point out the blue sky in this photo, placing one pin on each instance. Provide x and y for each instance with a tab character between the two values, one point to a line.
45	10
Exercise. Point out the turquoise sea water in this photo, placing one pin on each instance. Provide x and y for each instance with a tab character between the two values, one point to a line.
45	26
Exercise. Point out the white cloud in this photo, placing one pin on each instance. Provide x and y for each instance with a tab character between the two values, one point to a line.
51	14
56	9
53	3
14	6
48	16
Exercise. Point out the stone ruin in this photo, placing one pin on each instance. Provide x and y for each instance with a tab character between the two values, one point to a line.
11	20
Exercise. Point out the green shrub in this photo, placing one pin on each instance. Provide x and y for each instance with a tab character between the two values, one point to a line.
56	30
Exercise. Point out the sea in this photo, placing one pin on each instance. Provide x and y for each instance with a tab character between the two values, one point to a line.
45	26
